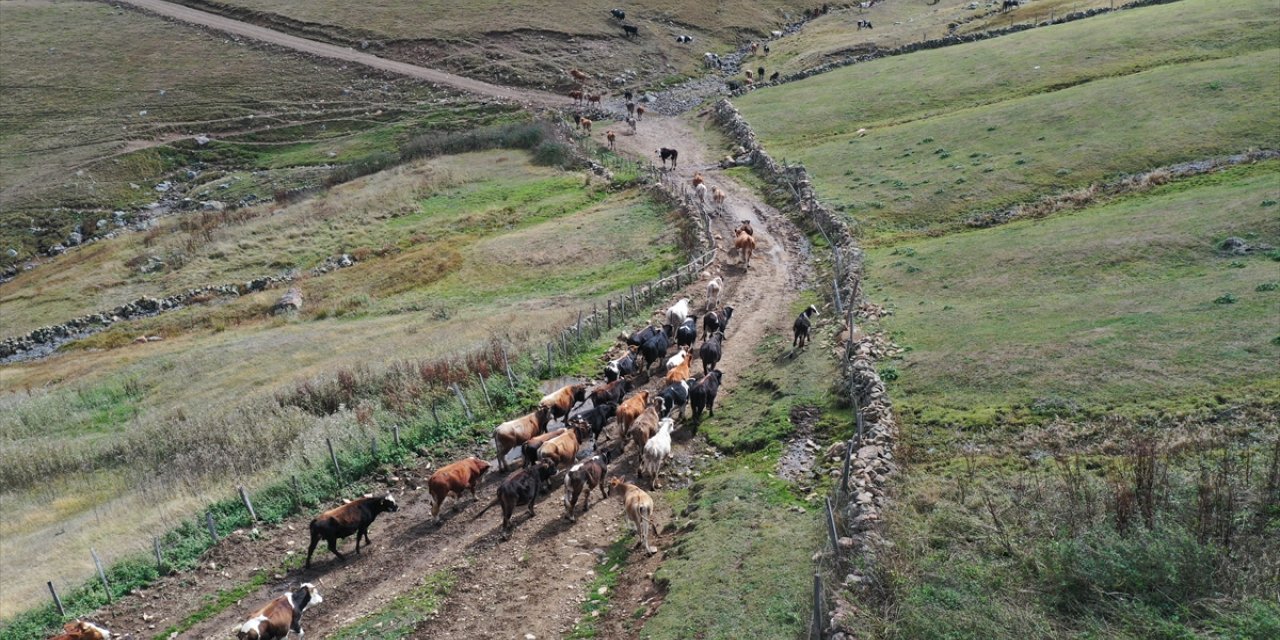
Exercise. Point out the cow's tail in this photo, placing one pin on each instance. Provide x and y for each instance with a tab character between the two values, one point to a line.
490	506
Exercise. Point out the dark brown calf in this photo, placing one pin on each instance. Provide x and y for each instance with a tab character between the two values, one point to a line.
277	618
582	478
340	522
454	478
564	399
521	487
610	392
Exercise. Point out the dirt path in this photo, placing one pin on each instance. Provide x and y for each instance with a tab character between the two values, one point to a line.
527	97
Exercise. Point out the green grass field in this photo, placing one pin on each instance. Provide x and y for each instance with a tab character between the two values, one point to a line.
1108	310
93	94
981	144
455	251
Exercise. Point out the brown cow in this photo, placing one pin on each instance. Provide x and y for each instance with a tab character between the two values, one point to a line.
562	450
453	479
639	112
630	409
512	433
698	178
639	507
562	401
594	98
680	372
277	618
582	478
578	75
529	449
611	391
81	630
610	135
352	517
646	425
718	195
576	95
745	243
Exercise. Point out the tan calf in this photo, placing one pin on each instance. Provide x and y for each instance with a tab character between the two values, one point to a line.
639	507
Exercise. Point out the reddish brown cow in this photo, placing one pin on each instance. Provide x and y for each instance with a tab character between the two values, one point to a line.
562	401
453	479
512	433
352	517
81	630
562	450
610	392
277	618
646	425
630	409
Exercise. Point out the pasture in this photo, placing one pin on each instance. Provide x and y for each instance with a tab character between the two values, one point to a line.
533	43
94	96
456	250
1115	309
958	140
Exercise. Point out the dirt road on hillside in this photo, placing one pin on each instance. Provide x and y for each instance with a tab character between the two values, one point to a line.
188	15
547	559
532	584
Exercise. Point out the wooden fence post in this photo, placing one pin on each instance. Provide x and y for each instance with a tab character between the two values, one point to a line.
213	529
395	434
857	412
831	530
844	475
244	497
835	286
435	416
550	347
815	631
467	409
155	545
373	447
511	378
102	575
485	388
62	612
337	470
634	304
297	494
579	325
609	311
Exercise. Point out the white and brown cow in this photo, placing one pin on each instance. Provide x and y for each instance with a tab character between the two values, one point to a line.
277	618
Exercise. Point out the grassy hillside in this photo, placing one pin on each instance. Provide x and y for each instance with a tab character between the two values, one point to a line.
532	43
977	147
451	252
93	93
1114	309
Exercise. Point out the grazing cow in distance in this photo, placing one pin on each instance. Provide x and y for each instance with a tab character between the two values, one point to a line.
744	241
81	630
1009	4
703	394
618	13
639	508
668	154
576	95
579	75
352	517
521	487
801	327
630	30
585	123
582	478
755	46
562	401
453	479
677	312
711	350
656	451
687	333
774	76
631	107
513	433
866	24
276	619
775	33
714	287
594	98
611	137
716	321
654	350
622	366
683	39
631	409
760	73
748	74
766	48
674	395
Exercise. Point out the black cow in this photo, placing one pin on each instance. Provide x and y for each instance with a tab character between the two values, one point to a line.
866	24
668	154
716	321
521	487
801	327
628	95
642	336
1009	4
618	13
760	73
630	30
654	350
597	416
352	517
585	476
674	395
711	350
687	334
703	394
774	76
